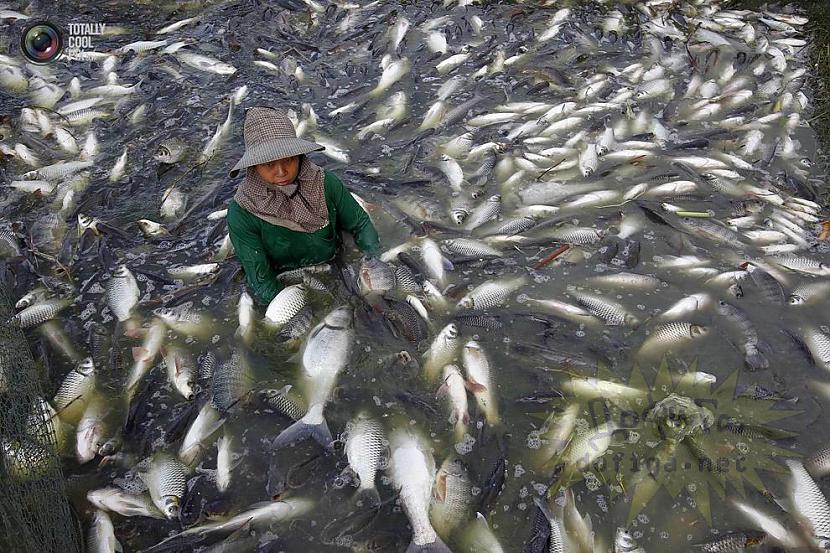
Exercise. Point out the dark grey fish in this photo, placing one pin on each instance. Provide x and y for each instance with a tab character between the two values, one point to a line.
630	254
492	485
230	383
407	281
770	288
475	320
298	325
404	320
539	537
734	542
607	251
752	344
278	400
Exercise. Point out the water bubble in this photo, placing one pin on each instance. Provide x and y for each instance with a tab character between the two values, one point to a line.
465	446
518	470
534	441
522	506
592	482
475	490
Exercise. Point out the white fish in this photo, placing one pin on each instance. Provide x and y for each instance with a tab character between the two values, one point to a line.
101	536
144	356
227	458
117	170
442	351
412	469
196	440
206	63
218	137
365	449
392	73
454	389
480	380
325	354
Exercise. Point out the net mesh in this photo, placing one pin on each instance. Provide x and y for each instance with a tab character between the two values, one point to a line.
34	509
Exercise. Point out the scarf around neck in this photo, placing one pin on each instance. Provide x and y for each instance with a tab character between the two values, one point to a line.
304	210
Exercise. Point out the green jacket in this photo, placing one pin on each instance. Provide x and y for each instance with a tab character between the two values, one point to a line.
266	250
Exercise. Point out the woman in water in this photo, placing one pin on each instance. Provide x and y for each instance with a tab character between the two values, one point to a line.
287	211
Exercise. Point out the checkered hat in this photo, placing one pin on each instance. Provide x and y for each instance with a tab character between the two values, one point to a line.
270	135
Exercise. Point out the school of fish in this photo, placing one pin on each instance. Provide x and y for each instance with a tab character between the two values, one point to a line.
635	177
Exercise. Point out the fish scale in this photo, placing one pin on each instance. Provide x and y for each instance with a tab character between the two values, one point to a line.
808	500
122	293
364	450
406	281
610	311
298	325
229	383
669	335
279	401
39	313
491	294
486	211
286	304
166	479
452	496
78	382
770	288
734	542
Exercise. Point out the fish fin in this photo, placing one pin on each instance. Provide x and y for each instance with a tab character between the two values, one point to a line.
448	266
139	353
474	386
465	418
301	430
442	391
367	497
118	547
440	488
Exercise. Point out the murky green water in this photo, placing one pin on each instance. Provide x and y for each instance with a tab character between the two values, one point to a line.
532	354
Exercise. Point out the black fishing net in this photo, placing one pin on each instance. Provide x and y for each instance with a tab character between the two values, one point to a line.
34	510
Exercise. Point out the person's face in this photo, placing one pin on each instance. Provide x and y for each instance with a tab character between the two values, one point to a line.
279	172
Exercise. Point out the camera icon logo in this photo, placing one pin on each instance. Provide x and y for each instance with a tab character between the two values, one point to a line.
41	42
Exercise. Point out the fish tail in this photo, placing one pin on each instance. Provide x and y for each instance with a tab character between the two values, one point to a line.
755	360
437	546
301	430
367	497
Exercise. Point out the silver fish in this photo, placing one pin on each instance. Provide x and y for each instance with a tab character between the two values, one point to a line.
442	351
412	469
452	497
365	451
608	310
480	380
810	503
75	390
124	503
39	313
491	293
101	535
286	304
625	542
166	479
122	293
325	354
672	335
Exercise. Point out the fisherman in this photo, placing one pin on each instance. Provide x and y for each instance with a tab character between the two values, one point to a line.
287	211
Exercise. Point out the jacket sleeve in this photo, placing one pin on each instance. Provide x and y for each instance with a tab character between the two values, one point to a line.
262	279
352	218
